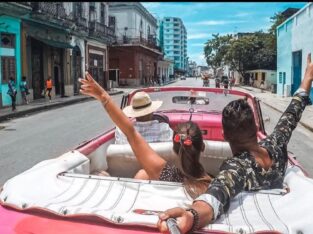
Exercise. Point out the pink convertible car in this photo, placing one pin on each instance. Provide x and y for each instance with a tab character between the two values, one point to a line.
91	188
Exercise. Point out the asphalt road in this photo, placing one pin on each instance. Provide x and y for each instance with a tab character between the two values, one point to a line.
29	140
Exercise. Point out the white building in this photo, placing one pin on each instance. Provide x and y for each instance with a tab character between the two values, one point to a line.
134	56
133	20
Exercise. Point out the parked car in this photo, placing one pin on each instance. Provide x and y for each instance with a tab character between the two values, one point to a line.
183	77
91	189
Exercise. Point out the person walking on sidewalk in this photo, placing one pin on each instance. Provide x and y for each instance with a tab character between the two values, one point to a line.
49	87
255	165
12	92
262	86
24	90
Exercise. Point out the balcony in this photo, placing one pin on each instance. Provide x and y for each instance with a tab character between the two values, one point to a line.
151	42
52	9
81	23
101	31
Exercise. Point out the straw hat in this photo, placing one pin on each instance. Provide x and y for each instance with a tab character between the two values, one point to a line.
141	105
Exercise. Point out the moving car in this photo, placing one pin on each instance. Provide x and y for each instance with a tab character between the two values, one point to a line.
183	77
91	189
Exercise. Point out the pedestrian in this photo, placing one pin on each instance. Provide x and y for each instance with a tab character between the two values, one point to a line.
24	89
255	166
49	87
262	86
12	92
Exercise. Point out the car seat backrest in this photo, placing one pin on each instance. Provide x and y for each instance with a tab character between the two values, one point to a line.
123	163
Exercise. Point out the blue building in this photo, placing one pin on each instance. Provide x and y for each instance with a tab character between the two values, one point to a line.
294	42
173	41
10	54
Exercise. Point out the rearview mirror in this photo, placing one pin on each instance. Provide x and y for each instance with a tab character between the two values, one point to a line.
190	100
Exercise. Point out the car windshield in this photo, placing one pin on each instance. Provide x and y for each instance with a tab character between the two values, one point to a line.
217	101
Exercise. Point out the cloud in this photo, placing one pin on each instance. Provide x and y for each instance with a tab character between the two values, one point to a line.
198	58
152	5
197	44
198	36
219	22
243	14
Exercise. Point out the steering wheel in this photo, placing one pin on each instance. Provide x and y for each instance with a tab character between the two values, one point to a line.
161	118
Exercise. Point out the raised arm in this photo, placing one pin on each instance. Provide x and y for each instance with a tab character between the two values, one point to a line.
149	159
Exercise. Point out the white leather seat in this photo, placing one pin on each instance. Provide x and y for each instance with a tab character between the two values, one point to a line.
123	163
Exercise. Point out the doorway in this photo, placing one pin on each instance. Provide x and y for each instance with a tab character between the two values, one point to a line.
56	72
296	70
37	68
76	69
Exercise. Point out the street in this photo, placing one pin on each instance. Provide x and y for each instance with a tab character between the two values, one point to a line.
45	135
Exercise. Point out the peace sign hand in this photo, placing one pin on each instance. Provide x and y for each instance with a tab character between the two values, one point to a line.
91	88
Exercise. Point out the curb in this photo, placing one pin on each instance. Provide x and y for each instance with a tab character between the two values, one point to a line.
48	106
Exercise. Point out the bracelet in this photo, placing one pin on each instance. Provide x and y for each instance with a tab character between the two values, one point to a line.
195	224
106	102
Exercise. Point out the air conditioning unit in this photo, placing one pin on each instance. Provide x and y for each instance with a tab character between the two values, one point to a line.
287	90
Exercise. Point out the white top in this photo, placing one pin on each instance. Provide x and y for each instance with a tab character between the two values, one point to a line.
151	131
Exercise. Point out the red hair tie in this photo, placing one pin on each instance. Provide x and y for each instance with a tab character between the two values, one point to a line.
186	140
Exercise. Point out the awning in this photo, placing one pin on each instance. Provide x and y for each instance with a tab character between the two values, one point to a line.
58	44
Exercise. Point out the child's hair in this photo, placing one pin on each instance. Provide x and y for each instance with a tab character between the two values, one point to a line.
188	145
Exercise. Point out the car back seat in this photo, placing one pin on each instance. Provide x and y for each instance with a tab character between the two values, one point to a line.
123	163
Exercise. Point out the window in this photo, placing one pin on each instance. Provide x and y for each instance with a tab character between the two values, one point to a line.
102	13
78	9
8	40
256	76
8	68
148	32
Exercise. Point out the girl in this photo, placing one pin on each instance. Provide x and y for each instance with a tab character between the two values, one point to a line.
187	144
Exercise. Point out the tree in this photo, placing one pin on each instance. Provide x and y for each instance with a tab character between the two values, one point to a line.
240	54
215	50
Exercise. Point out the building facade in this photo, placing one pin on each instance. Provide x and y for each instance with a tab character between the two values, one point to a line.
173	40
10	47
165	70
294	42
192	68
135	54
61	41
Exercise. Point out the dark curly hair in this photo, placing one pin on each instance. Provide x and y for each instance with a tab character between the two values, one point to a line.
238	123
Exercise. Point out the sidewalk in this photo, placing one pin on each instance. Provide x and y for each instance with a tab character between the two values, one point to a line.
280	104
44	104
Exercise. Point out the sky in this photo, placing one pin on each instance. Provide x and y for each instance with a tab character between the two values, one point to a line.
202	19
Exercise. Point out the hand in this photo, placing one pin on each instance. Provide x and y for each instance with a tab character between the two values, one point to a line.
92	88
309	69
184	219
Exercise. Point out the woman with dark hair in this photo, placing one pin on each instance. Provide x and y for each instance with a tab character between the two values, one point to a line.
255	165
12	92
187	144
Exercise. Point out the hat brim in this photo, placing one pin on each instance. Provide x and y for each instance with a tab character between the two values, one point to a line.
131	112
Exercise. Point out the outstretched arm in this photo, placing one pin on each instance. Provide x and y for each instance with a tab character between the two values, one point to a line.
149	159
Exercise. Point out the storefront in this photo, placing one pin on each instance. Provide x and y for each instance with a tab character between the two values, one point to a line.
48	55
10	53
